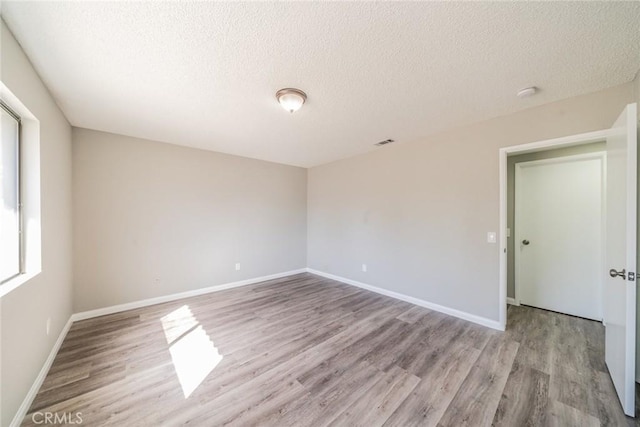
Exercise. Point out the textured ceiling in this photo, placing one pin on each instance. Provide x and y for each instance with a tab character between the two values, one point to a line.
205	74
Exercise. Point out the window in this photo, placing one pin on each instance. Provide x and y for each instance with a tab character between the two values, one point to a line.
10	208
20	224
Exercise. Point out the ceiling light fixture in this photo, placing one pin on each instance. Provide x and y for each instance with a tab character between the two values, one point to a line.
291	99
527	92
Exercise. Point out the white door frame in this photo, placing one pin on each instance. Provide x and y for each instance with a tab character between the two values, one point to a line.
567	141
602	156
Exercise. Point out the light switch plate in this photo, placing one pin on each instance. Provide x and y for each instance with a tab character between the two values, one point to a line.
491	237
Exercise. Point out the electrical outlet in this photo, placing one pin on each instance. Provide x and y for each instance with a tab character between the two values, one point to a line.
48	325
364	267
237	266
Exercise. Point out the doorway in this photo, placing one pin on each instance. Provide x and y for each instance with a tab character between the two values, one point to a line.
556	229
535	150
619	285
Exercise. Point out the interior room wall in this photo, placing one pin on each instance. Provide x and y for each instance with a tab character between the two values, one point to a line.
418	213
511	173
24	343
153	219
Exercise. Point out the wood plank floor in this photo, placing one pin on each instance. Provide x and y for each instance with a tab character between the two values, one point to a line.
308	351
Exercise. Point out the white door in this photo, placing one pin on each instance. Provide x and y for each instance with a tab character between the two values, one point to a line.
620	257
558	231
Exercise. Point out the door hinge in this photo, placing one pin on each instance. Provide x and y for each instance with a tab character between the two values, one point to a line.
631	276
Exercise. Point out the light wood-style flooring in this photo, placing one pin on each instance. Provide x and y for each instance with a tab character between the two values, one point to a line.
308	351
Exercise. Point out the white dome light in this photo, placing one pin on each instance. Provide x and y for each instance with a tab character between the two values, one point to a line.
291	99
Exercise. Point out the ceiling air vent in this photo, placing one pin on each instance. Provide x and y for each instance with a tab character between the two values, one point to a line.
385	142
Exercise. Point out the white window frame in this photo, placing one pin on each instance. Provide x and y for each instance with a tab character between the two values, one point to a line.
29	193
17	118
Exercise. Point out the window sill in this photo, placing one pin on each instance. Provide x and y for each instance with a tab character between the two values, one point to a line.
14	283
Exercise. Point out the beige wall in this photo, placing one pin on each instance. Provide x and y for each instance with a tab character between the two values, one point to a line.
511	172
24	342
153	219
418	213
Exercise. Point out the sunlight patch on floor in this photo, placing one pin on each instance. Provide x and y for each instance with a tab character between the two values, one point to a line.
193	353
177	323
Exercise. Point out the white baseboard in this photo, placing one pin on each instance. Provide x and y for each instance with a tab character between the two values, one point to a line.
512	301
166	298
33	391
494	324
